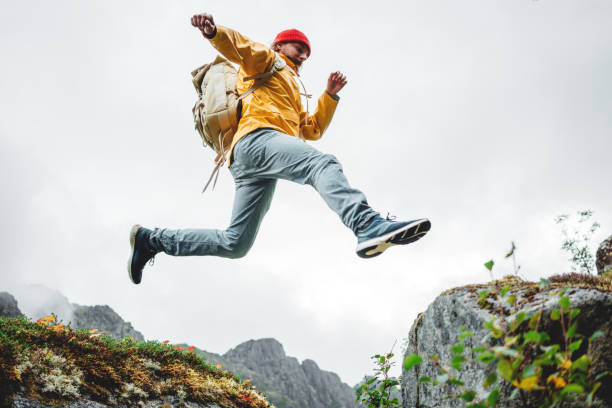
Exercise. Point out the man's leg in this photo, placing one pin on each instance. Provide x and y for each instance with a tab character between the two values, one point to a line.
251	202
268	153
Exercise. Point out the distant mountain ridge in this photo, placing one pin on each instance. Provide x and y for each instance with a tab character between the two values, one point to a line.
286	382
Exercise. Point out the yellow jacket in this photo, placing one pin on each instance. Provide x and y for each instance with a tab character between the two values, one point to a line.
277	104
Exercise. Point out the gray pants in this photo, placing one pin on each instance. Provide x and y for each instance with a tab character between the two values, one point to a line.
260	158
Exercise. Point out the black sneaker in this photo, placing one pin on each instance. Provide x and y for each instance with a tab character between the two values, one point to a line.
141	252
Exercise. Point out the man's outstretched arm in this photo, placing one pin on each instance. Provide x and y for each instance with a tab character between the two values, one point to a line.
312	127
253	57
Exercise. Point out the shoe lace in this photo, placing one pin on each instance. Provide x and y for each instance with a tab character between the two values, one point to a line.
152	253
390	217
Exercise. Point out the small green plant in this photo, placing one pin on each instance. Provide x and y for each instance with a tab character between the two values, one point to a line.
378	391
510	254
523	355
577	239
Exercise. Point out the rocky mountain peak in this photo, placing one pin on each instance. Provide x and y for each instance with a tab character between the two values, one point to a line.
257	351
8	306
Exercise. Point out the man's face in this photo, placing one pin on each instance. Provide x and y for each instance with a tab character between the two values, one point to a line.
297	52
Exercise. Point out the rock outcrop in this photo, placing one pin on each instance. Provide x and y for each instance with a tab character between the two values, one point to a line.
8	306
286	382
438	328
603	257
46	363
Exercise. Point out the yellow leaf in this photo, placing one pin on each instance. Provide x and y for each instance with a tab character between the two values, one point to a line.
93	331
218	366
558	382
46	319
566	365
528	383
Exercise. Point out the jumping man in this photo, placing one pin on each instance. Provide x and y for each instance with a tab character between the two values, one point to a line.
269	144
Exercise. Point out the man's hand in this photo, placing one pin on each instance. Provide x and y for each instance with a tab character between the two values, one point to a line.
204	22
335	82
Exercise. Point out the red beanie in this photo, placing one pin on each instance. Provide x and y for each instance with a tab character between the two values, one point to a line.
292	35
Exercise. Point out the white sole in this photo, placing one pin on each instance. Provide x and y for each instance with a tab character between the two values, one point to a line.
376	246
133	233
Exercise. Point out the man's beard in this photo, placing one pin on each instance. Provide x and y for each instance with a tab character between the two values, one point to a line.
297	64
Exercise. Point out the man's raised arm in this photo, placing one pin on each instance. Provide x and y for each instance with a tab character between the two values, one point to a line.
253	57
312	127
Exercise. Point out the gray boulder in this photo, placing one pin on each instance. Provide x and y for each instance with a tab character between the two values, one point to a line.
603	258
8	306
438	328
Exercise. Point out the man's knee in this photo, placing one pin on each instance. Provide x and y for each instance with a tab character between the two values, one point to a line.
325	162
237	245
328	159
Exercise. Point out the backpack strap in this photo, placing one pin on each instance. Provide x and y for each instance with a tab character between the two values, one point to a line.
260	80
305	94
219	160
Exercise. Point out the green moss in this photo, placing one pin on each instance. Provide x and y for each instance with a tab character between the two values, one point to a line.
57	365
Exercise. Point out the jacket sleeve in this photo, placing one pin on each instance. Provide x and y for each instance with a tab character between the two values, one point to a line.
313	126
253	57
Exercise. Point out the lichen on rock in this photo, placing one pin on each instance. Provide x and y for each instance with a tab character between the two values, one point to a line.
51	372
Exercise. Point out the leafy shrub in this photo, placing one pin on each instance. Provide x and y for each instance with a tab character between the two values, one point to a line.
377	391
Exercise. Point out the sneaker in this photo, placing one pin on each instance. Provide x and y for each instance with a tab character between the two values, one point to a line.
383	233
141	252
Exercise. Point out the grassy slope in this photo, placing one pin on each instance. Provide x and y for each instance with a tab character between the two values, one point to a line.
57	365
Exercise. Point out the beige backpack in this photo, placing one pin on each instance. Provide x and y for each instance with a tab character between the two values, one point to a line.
216	112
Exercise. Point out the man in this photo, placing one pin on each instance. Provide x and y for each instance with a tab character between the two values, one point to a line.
267	147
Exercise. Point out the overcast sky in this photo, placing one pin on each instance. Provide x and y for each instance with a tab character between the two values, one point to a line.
488	117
